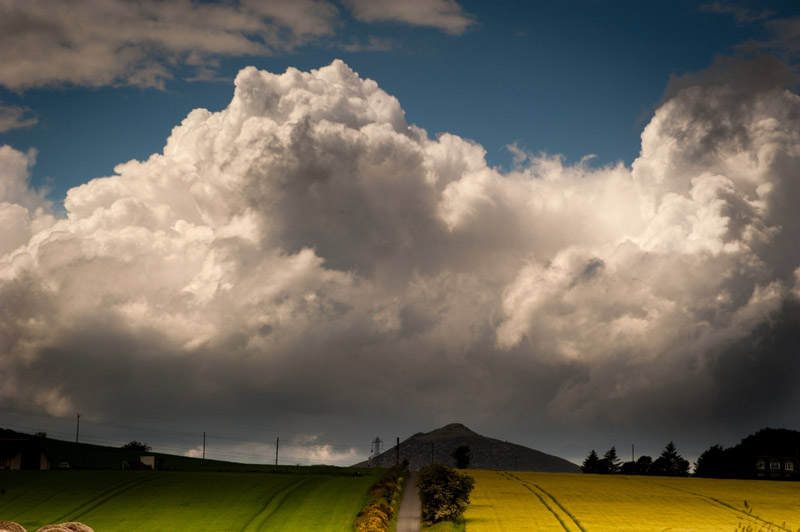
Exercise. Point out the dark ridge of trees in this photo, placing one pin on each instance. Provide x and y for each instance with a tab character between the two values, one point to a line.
717	461
739	461
670	463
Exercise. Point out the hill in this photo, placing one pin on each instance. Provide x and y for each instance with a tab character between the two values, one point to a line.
422	449
91	456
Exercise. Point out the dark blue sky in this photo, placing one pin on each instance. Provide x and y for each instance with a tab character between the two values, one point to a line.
571	78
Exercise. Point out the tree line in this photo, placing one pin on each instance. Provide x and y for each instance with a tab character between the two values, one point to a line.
670	463
739	461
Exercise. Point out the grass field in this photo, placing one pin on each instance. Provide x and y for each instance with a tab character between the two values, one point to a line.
147	501
543	502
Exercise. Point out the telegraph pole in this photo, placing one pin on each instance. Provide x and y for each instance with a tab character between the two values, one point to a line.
78	428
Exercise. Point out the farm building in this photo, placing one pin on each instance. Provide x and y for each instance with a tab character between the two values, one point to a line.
22	453
777	466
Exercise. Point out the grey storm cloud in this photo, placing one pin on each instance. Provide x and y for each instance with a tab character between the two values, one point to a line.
305	258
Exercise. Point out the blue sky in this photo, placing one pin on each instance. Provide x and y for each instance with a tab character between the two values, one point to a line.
284	262
570	78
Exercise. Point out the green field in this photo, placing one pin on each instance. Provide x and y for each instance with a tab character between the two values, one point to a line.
147	501
546	502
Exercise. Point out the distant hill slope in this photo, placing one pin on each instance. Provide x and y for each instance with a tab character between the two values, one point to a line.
487	453
90	456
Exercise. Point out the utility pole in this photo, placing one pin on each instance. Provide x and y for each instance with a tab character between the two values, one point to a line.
78	428
204	445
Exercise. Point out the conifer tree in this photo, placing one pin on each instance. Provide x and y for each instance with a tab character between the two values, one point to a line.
591	464
611	462
670	463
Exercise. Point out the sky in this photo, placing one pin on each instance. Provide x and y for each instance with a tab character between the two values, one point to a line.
569	225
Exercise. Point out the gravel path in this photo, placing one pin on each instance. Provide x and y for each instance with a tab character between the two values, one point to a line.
408	517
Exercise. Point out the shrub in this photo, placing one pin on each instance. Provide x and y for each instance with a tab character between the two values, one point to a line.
443	492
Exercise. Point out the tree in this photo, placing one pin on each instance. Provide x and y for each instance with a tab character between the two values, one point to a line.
610	462
714	463
137	446
462	456
591	464
643	465
670	463
443	492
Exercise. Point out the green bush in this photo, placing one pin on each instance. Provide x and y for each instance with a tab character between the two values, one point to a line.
443	492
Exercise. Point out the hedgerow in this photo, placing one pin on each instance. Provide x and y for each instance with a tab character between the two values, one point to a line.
382	503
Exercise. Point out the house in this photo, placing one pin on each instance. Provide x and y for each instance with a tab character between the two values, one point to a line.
22	453
770	466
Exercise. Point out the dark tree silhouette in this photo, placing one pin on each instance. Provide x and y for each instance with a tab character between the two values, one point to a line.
462	456
643	465
591	464
610	462
137	446
670	463
712	463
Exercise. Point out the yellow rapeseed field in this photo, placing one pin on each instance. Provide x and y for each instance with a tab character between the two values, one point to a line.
508	501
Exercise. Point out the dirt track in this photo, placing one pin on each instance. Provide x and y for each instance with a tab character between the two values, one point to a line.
410	509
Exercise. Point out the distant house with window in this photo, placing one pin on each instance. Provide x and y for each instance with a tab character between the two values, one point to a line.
22	453
768	466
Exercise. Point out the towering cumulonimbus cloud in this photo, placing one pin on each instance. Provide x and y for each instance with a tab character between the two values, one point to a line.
306	253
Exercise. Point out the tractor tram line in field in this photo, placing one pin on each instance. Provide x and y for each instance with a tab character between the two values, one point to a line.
82	509
718	503
272	505
543	496
509	501
103	498
23	508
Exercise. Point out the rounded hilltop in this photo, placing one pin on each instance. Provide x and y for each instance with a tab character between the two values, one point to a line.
438	445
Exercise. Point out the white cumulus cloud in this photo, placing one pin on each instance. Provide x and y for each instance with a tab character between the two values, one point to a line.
307	256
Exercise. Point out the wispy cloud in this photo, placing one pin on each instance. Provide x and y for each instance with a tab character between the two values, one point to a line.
743	14
16	117
446	15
